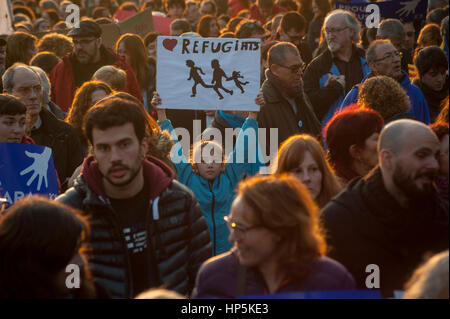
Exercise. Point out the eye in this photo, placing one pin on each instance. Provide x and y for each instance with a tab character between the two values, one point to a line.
102	148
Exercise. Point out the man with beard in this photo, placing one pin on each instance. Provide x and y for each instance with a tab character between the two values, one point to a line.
147	229
331	75
88	55
392	217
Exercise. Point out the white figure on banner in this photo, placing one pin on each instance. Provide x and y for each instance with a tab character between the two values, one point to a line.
409	7
39	166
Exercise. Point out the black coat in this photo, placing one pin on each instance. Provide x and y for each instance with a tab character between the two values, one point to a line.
434	99
62	138
366	225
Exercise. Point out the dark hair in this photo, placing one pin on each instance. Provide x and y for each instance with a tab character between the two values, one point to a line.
324	6
170	3
103	20
59	44
53	16
289	5
150	37
247	28
181	24
443	116
265	3
293	20
112	112
203	25
129	6
137	54
98	12
353	126
10	105
38	238
440	129
45	60
25	10
16	47
437	15
211	3
224	17
430	58
233	23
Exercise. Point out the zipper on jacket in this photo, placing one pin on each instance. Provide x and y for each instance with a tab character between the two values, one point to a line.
150	246
213	219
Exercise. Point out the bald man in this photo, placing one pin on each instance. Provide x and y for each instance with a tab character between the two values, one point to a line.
393	216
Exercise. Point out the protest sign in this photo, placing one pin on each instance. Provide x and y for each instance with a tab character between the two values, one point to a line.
208	73
162	24
122	15
6	16
141	23
406	11
26	169
110	34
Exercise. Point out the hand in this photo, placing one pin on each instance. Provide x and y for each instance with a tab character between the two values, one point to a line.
260	99
331	77
156	100
408	7
39	167
341	81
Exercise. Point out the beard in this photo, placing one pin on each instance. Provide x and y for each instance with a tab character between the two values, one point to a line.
133	173
333	46
407	184
85	58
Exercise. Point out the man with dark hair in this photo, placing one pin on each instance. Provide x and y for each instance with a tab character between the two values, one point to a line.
12	119
293	29
287	107
382	225
432	65
264	10
179	26
46	60
147	229
88	55
175	8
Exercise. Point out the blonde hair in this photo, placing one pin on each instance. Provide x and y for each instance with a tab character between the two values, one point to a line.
114	77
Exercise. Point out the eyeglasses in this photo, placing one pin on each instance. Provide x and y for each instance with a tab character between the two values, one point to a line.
391	56
295	68
237	229
83	42
334	30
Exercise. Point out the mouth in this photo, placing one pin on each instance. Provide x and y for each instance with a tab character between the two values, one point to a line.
118	172
14	140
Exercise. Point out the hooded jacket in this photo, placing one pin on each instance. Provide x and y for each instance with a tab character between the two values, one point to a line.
178	237
419	106
365	225
63	81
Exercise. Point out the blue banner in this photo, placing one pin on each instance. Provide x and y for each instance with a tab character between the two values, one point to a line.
406	11
26	169
326	294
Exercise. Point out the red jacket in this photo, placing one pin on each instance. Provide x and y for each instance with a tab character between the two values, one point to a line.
63	82
235	6
256	15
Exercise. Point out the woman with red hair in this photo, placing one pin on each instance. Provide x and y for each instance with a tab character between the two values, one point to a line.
352	137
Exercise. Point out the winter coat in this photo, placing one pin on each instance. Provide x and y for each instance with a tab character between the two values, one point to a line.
63	81
215	197
419	106
218	278
178	240
365	225
434	99
63	139
326	100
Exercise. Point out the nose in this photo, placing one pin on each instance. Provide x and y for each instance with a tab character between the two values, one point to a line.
433	163
17	129
115	154
232	238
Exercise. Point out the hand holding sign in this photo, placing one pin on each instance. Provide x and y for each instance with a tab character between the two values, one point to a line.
409	7
39	166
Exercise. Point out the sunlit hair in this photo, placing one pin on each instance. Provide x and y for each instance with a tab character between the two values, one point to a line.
17	47
291	155
198	150
282	204
443	116
204	23
59	44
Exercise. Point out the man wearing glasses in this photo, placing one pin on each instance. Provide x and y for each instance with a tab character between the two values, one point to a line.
385	59
332	74
287	108
88	55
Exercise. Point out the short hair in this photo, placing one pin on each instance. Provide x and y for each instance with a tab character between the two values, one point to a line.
45	60
59	44
233	23
8	76
224	17
228	35
440	129
352	126
391	29
430	58
444	27
112	112
293	20
371	54
350	20
246	28
437	15
204	23
292	153
116	78
384	95
429	35
180	24
170	3
151	37
278	52
11	105
211	3
290	5
17	46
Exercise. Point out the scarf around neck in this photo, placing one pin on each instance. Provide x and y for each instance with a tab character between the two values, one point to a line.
285	89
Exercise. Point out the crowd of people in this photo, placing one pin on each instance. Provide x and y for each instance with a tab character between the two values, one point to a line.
360	177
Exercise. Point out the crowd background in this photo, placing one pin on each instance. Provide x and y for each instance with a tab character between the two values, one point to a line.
361	175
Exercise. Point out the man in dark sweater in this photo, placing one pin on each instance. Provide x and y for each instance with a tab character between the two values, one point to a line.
383	226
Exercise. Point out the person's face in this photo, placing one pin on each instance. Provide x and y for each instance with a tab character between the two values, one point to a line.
222	23
294	36
416	165
211	164
338	34
151	47
443	156
435	79
206	8
410	37
44	26
12	128
97	95
388	61
309	173
255	245
122	51
315	9
175	11
369	154
175	32
86	49
291	72
192	13
213	29
27	87
30	52
119	154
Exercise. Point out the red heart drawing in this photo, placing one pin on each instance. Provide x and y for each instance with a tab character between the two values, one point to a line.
169	44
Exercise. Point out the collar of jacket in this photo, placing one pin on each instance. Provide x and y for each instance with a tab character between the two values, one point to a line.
158	175
50	124
432	96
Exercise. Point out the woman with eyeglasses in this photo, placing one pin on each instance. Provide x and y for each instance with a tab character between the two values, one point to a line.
278	245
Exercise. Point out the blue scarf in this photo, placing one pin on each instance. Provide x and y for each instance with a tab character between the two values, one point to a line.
235	121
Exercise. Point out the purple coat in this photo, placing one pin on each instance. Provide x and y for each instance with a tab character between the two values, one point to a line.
217	278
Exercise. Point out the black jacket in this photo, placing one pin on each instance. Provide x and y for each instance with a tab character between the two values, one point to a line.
366	225
434	99
64	142
178	236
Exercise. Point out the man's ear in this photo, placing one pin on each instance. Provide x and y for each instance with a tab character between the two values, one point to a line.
386	160
354	152
275	69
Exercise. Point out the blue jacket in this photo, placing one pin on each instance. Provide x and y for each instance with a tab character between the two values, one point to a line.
419	106
215	197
